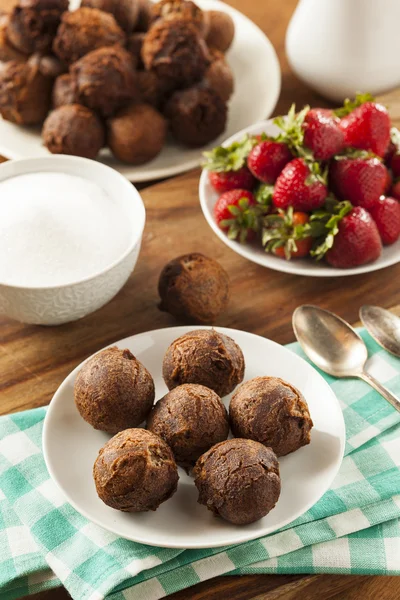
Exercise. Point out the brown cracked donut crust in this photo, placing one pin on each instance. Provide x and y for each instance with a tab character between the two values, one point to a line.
125	12
186	10
50	66
272	412
136	134
134	46
238	480
196	115
152	89
135	471
105	80
219	76
64	91
190	419
175	51
221	30
194	287
206	357
7	50
144	17
84	30
25	94
33	24
75	130
113	391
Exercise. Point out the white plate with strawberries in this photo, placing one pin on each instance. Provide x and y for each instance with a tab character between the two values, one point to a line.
314	193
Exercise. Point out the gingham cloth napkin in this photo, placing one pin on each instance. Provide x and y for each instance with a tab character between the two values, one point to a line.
354	528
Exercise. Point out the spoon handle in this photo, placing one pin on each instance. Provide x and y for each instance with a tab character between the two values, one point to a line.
395	402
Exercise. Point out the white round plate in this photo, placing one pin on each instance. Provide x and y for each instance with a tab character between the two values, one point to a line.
71	446
257	86
208	197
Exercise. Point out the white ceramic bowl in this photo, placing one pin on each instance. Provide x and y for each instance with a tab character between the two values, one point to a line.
63	303
305	266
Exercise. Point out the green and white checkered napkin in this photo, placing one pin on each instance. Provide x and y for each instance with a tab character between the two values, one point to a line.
354	528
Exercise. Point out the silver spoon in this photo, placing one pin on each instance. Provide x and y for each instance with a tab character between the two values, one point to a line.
335	347
383	326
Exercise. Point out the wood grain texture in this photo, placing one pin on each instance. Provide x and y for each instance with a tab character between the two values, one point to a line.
35	360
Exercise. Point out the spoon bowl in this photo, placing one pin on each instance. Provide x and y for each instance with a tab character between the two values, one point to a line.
383	326
335	347
329	341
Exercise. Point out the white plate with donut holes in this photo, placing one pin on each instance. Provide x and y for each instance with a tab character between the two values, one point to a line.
257	76
71	446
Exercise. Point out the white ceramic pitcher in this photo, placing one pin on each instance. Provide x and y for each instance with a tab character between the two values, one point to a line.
339	47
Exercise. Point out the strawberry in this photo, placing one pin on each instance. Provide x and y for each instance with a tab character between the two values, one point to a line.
234	213
225	181
286	235
360	180
395	191
300	185
395	164
366	125
312	134
263	195
267	159
389	181
322	133
357	241
229	158
386	214
391	150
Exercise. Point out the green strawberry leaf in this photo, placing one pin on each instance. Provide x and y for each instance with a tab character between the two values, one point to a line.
243	203
264	194
233	232
229	158
245	218
227	222
234	210
316	174
293	132
264	137
324	224
316	229
279	231
355	153
350	105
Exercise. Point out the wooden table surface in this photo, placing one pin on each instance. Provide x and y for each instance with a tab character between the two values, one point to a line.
35	360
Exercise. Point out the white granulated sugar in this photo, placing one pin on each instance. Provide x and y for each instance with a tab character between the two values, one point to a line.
56	229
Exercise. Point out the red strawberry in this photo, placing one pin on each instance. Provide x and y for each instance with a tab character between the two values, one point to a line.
391	150
225	181
386	214
267	160
367	127
300	186
395	164
286	236
389	181
322	133
395	191
360	180
234	214
357	241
